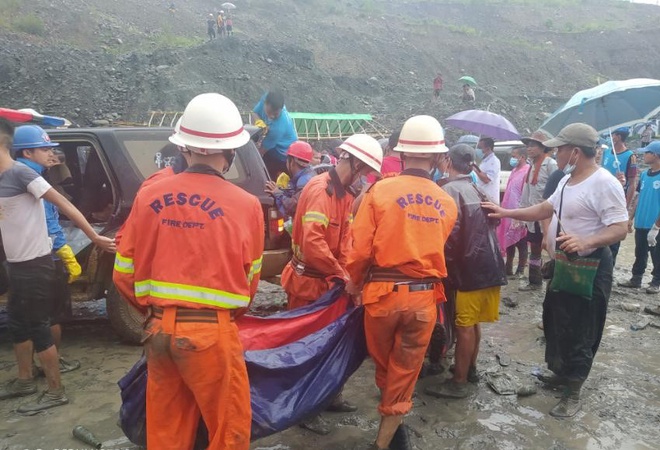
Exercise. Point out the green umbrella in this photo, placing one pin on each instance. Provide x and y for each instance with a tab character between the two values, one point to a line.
468	80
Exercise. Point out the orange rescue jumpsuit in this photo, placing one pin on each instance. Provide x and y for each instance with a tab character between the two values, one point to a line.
191	256
401	226
320	240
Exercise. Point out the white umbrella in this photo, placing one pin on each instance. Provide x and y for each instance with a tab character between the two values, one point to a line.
228	5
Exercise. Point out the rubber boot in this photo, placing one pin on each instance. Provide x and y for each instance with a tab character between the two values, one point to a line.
569	405
522	263
551	379
401	439
535	275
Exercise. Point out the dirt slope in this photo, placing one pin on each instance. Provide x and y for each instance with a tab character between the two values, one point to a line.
115	60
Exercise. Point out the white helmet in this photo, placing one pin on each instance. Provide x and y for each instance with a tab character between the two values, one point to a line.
210	123
365	148
174	139
422	134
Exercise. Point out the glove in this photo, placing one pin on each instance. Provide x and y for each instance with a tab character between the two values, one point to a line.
282	181
69	259
261	124
653	235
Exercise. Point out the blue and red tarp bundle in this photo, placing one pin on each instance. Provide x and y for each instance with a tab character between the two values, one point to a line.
31	116
297	362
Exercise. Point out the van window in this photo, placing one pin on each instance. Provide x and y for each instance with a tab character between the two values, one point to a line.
154	152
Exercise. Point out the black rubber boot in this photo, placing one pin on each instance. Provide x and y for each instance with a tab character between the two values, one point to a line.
401	439
634	282
551	379
569	405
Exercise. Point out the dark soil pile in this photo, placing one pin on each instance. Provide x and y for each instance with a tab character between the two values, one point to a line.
114	61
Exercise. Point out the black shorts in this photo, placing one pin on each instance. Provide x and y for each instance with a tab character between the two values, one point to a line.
535	237
30	301
61	310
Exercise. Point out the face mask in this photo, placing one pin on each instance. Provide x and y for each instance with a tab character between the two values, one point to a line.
513	162
480	153
570	167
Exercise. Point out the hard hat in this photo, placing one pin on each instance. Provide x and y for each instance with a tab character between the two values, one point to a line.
174	139
211	15
222	12
301	150
422	134
31	136
211	123
365	148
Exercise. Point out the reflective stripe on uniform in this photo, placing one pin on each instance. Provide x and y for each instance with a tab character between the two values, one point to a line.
315	216
192	294
124	264
255	268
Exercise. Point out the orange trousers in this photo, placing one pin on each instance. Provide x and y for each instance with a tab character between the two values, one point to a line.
196	369
398	329
300	289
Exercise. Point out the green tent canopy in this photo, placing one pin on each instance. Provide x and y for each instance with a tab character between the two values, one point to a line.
317	126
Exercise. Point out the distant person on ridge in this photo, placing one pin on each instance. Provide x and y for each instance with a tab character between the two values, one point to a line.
468	94
210	27
229	23
279	132
437	86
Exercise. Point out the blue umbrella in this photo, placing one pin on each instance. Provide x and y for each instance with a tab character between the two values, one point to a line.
610	105
484	123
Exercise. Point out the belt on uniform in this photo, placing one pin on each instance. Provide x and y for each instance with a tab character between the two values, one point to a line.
389	274
415	287
302	269
193	315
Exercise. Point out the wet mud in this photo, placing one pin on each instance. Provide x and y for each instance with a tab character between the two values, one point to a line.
621	398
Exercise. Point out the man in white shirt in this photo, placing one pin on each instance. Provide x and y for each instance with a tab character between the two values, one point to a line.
591	206
31	269
488	172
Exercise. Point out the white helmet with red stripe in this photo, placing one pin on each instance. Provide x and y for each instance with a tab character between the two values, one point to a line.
210	124
365	148
422	134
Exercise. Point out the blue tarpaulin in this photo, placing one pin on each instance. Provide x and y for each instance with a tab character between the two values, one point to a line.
297	362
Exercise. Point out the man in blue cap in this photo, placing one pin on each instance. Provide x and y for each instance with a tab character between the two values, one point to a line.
270	114
621	162
646	216
27	140
30	264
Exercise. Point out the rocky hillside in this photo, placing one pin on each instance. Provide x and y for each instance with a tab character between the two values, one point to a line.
116	60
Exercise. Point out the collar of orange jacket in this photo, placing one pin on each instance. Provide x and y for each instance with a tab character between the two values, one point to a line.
417	173
334	185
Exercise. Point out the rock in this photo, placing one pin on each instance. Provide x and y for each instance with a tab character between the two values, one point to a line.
631	307
100	123
162	67
119	41
654	324
373	79
640	325
269	61
655	311
509	302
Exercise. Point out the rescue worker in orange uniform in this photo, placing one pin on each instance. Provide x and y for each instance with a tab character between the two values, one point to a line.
398	263
190	259
321	234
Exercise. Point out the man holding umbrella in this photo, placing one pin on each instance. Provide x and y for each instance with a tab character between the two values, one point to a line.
621	162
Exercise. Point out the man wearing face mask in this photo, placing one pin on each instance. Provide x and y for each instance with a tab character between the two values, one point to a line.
190	259
488	171
588	212
401	284
542	166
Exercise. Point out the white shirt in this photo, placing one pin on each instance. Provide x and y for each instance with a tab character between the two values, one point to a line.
491	166
22	215
588	207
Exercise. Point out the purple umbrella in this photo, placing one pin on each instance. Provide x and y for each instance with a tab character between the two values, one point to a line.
484	123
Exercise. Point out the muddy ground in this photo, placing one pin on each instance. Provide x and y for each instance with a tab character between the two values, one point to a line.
621	408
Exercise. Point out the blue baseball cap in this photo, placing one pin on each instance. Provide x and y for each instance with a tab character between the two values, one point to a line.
653	147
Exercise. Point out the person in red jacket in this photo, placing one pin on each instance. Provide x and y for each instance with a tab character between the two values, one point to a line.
190	260
401	283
